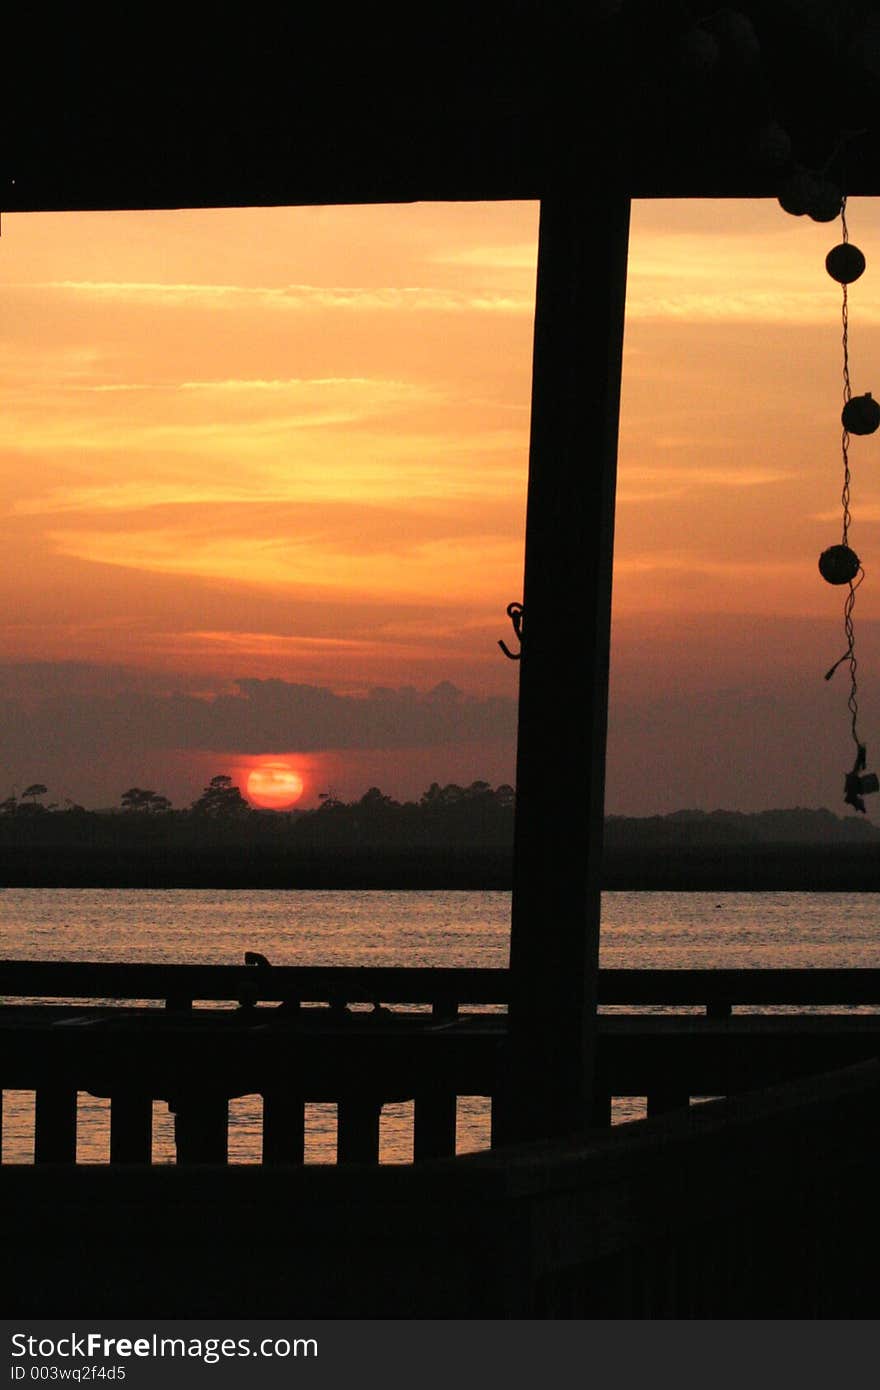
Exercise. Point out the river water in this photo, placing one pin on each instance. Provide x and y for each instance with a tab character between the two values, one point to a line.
661	930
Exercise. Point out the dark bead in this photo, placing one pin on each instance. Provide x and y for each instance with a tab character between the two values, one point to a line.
797	192
839	565
825	203
861	415
845	263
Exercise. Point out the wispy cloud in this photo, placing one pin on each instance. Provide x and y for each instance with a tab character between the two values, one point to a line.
719	276
380	385
867	511
363	299
521	256
405	564
675	562
135	496
652	484
267	649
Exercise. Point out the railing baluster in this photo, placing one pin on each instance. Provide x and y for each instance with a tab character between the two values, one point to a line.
201	1128
284	1127
434	1124
444	1011
661	1101
55	1124
600	1118
357	1132
131	1127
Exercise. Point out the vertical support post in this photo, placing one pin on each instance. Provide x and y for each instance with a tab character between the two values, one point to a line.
357	1132
563	700
55	1124
434	1117
201	1128
601	1110
284	1127
663	1100
131	1127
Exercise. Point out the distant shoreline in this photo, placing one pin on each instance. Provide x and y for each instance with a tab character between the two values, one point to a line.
733	868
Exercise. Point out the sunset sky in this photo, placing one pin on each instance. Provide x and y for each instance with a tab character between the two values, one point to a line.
264	480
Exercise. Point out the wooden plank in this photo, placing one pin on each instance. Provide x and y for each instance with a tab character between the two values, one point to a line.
283	1127
578	344
185	983
131	1127
714	989
719	989
55	1124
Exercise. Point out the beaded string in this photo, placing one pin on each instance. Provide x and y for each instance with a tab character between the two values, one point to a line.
849	605
840	564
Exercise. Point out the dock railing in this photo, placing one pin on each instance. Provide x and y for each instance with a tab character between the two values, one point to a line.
365	1037
179	986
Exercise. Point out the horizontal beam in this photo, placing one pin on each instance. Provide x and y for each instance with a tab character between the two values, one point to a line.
354	984
637	1055
399	985
303	108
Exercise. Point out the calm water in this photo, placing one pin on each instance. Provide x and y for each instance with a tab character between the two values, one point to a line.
670	930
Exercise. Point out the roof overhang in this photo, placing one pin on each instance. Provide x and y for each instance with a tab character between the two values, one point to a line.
466	102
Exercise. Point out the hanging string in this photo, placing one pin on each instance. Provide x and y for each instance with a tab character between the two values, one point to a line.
805	192
848	624
847	388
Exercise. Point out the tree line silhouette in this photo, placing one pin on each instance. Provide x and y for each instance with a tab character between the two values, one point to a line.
448	814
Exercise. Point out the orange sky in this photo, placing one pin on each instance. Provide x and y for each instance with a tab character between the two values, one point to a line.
291	445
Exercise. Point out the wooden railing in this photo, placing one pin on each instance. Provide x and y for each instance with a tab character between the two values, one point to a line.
310	1047
764	1206
718	991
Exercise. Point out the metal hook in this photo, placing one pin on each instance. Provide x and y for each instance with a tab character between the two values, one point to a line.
515	614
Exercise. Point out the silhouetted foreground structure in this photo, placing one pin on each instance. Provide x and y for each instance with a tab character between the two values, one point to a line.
583	106
760	1204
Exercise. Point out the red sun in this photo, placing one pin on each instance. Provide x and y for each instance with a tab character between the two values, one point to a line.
274	785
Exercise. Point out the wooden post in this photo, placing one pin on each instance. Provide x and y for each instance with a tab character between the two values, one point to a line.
201	1128
563	700
357	1129
434	1117
284	1127
131	1127
601	1109
661	1102
55	1124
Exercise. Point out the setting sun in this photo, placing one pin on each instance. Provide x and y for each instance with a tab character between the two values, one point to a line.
274	786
